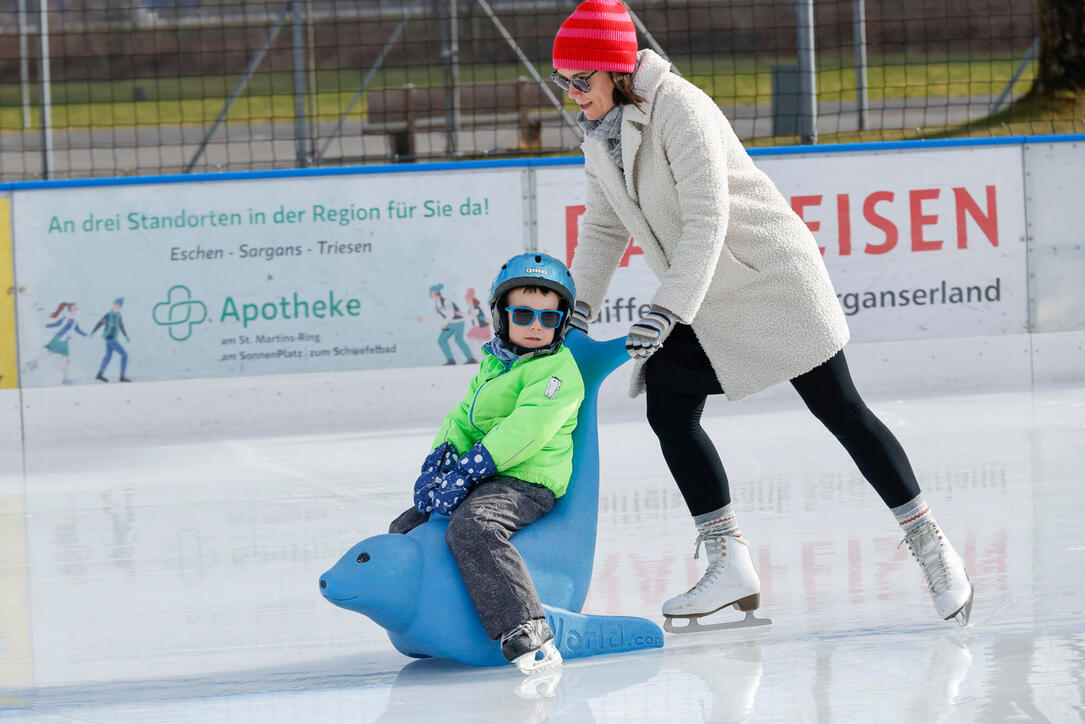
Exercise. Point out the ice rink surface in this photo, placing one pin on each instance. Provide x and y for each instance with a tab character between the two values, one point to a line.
177	580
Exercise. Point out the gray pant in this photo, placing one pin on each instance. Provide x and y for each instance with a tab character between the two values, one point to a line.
479	537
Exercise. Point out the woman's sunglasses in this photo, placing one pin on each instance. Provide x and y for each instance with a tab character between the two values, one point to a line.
525	316
580	83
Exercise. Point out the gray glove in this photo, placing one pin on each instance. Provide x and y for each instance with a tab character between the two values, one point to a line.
646	336
581	317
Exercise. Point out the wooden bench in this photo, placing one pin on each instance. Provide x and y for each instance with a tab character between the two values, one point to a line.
402	112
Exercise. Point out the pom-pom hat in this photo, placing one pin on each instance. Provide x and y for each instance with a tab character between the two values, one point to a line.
599	35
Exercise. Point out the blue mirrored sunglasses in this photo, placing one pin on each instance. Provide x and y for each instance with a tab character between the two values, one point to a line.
580	83
525	316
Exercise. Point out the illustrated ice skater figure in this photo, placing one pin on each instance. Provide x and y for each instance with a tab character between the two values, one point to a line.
479	333
505	454
112	323
744	301
451	326
65	326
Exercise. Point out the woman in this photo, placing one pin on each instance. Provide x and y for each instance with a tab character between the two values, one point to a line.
744	300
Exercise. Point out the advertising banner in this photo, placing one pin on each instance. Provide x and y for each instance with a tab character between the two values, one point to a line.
9	367
919	244
173	281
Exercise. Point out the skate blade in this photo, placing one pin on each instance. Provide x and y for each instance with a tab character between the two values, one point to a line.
694	626
964	612
529	665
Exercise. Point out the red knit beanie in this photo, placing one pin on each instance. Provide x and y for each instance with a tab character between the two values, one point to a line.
599	35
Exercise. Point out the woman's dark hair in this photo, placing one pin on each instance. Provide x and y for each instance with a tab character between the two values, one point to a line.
623	89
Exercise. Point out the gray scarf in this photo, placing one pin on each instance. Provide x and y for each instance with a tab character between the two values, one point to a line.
508	352
500	350
609	128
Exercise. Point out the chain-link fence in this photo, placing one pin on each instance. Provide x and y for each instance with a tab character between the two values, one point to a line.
97	88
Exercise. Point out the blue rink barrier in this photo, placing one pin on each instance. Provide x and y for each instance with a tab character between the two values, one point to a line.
410	585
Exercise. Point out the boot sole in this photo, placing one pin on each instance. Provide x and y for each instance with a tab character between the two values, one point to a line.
744	604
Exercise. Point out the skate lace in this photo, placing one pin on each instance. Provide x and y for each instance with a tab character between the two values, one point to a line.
706	536
523	629
715	568
925	543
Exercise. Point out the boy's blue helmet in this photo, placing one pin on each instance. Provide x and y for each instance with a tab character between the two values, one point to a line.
532	269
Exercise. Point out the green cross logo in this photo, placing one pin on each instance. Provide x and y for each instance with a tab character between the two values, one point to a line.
180	312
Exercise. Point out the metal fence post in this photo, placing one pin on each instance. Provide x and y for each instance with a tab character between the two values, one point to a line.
24	65
808	105
301	126
314	111
451	56
859	22
46	96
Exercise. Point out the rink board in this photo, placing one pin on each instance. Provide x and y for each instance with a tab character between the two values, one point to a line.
1054	175
260	273
226	341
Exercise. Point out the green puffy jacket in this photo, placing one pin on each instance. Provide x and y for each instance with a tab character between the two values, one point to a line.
524	414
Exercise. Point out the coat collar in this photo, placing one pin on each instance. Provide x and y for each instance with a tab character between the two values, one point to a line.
650	74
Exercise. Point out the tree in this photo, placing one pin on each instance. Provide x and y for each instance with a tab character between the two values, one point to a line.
1061	61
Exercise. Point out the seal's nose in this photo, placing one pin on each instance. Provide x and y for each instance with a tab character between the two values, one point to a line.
323	583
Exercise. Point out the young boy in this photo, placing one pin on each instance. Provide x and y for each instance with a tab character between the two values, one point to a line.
504	454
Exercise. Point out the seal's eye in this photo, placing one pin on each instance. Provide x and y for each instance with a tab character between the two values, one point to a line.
363	557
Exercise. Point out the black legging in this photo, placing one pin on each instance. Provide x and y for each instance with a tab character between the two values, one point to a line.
828	392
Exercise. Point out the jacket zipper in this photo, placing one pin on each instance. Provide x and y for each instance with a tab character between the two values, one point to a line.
471	412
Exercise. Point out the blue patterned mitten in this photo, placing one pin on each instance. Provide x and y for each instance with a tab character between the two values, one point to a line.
441	460
423	491
473	466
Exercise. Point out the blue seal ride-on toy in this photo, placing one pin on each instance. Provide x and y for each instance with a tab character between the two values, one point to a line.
410	585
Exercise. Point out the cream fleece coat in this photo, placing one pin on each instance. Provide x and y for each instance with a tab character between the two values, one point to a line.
734	261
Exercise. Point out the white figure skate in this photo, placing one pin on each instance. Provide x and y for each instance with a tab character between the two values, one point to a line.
729	581
946	578
530	646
